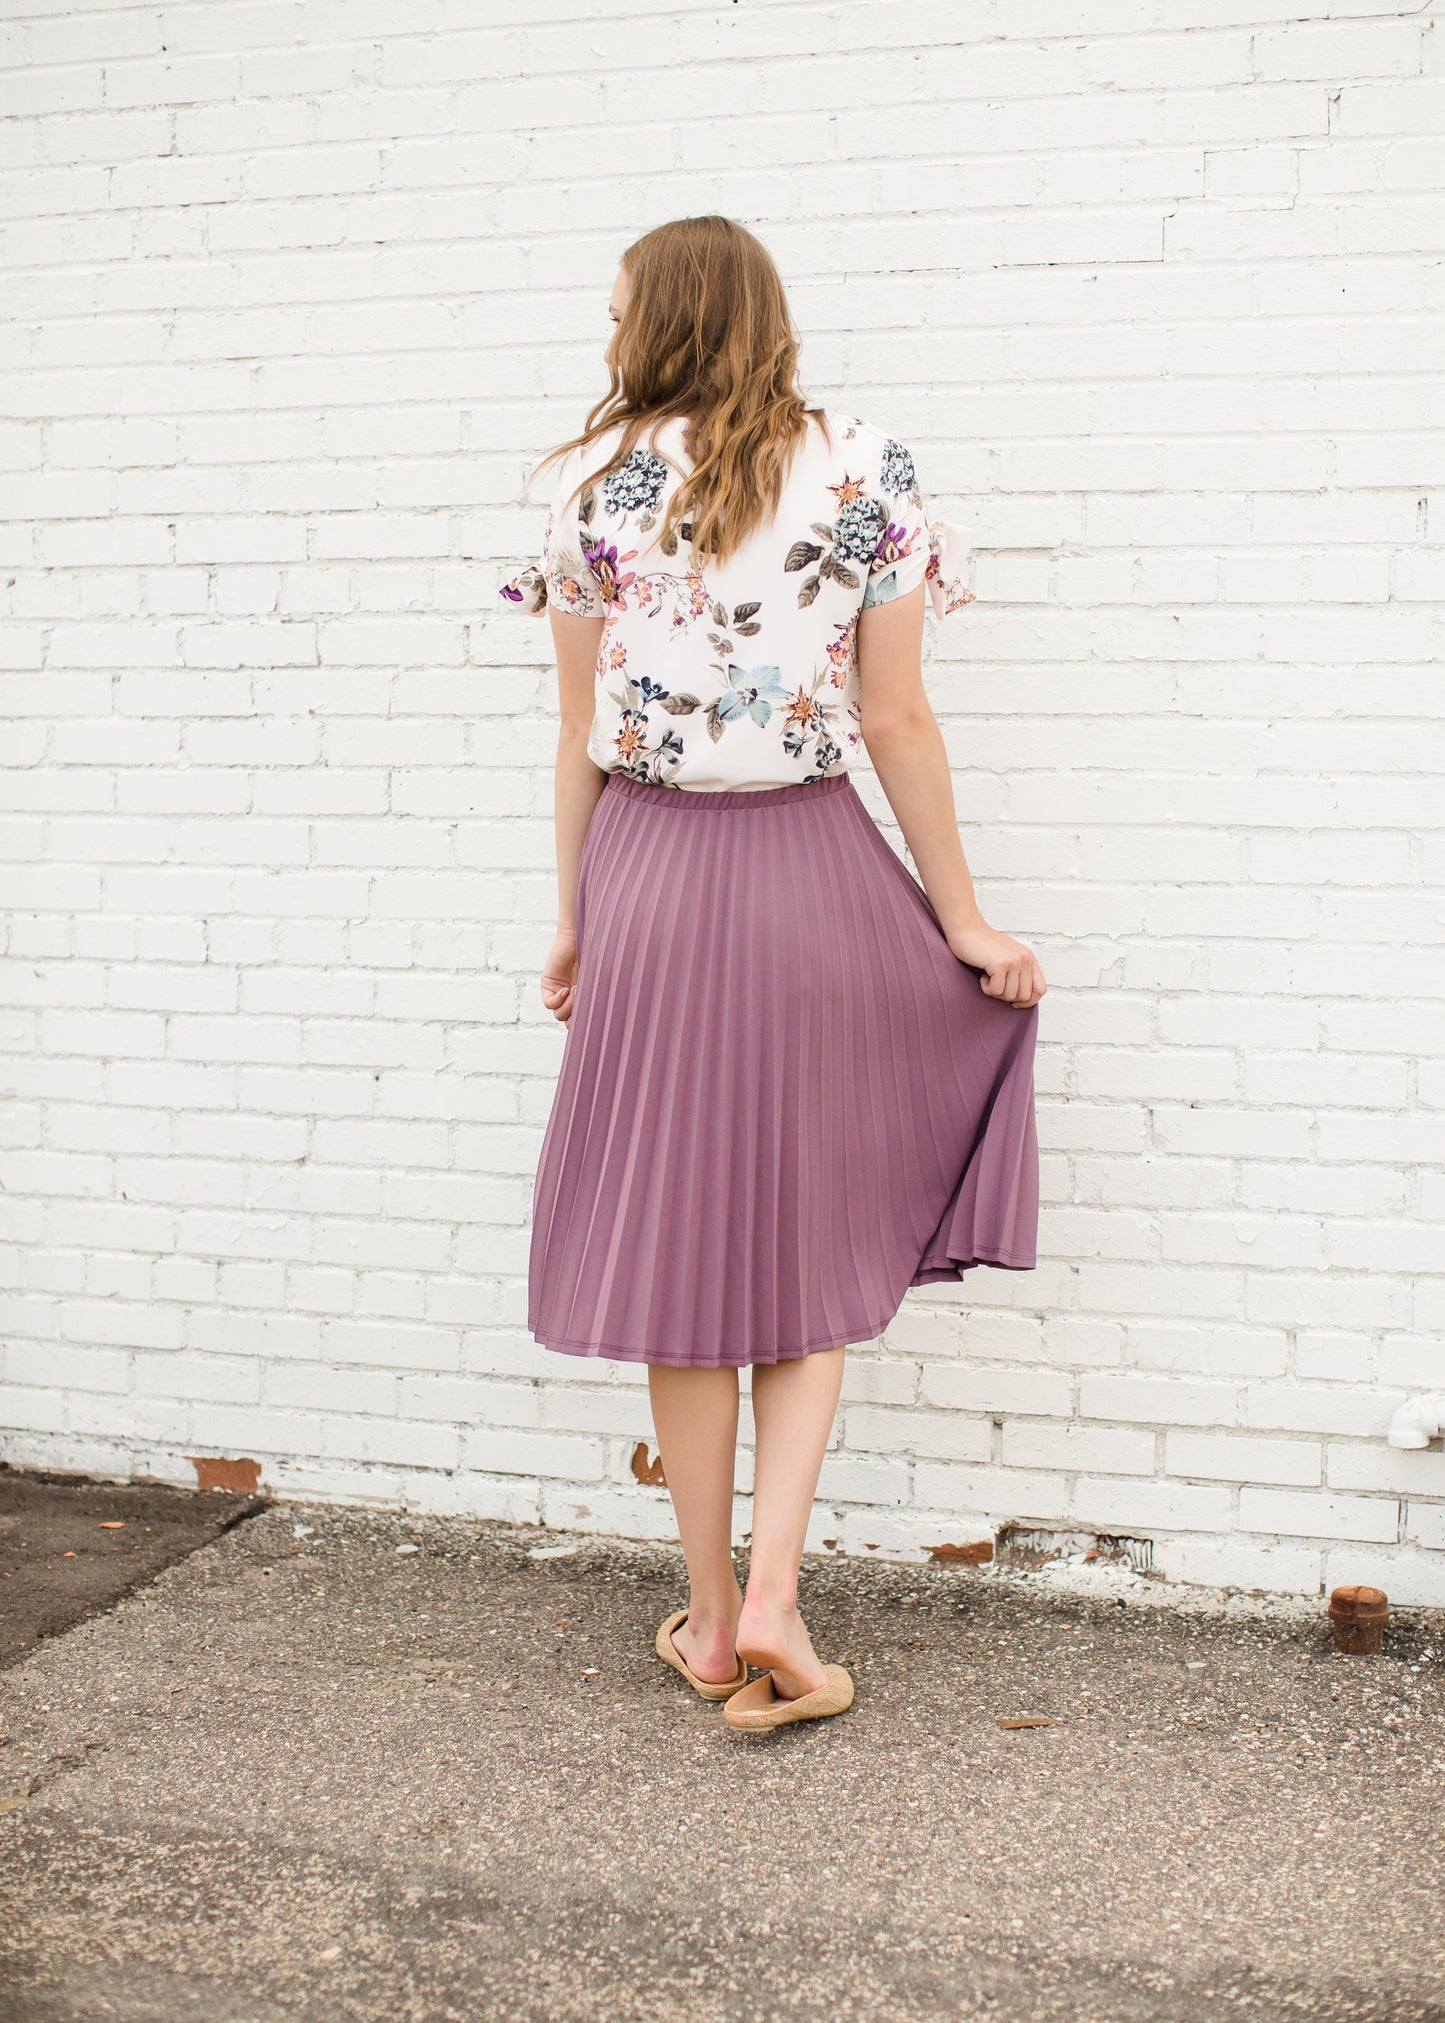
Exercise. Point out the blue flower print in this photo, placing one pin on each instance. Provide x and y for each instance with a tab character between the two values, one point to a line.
857	530
896	473
751	692
636	485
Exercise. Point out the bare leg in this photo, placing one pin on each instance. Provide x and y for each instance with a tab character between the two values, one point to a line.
695	1413
794	1404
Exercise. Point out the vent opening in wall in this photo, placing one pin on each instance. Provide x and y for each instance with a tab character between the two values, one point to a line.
1026	1545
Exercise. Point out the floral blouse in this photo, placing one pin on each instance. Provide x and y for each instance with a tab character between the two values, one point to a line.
744	674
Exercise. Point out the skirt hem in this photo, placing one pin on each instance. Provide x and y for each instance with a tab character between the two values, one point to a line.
931	1274
866	1331
606	1352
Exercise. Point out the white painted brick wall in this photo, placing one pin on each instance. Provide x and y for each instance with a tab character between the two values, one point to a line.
296	292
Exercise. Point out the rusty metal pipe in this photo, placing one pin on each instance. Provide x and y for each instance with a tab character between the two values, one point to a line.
1358	1616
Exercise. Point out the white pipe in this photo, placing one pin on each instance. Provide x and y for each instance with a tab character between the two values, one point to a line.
1418	1421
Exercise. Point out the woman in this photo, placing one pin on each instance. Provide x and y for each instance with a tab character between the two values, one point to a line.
796	1081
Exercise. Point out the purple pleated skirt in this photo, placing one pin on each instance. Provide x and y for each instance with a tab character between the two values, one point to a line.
782	1099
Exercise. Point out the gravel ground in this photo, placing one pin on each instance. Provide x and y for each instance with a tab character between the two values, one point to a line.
338	1764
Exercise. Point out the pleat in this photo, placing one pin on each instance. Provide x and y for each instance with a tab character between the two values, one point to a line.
782	1100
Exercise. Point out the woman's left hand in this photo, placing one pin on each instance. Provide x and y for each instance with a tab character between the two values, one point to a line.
1011	971
559	975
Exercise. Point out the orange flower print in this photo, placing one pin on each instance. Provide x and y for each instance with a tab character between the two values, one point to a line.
849	490
842	653
632	737
801	710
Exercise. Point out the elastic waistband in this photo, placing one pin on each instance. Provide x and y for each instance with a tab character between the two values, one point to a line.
694	798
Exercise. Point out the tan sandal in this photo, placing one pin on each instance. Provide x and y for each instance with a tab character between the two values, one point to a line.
758	1706
710	1689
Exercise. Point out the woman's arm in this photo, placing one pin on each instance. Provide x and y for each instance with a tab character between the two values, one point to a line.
906	747
577	788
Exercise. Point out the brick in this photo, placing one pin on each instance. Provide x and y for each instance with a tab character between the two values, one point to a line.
1003	1493
1371	1466
1011	1391
863	1478
398	1441
1344	1409
81	1369
1146	1506
1112	1450
472	1400
218	1380
35	1407
1154	1401
617	1409
1240	1563
521	1451
1226	1457
1299	1514
1425	1525
944	1436
888	1381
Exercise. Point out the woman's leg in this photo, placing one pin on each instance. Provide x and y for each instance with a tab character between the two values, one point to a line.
695	1413
794	1404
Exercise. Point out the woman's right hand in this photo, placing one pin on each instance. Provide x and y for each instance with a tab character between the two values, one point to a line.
559	975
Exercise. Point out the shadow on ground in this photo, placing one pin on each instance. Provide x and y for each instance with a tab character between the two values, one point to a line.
342	1765
71	1548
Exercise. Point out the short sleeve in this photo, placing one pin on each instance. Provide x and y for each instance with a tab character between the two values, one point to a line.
562	574
912	548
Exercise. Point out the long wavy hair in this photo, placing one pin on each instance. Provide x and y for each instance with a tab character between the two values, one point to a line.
706	334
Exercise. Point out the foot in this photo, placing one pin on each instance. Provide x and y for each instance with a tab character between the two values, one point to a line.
708	1651
775	1639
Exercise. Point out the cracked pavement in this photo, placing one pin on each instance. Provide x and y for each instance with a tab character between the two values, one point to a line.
346	1764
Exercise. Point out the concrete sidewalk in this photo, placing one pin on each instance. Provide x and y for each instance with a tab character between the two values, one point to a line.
341	1765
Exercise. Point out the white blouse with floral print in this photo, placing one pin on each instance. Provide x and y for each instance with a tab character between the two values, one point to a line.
744	674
